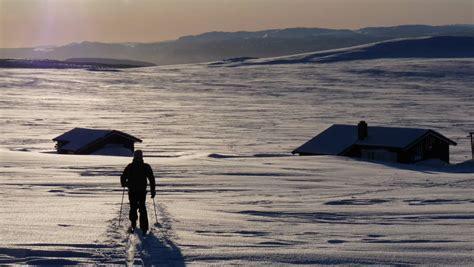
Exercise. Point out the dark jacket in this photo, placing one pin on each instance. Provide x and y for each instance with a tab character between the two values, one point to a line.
135	176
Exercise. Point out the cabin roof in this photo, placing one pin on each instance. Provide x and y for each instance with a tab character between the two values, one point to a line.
79	138
339	137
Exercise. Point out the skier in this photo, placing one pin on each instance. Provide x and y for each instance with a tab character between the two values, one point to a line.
135	178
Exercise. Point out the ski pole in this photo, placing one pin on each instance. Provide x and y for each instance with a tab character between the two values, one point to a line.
154	207
121	204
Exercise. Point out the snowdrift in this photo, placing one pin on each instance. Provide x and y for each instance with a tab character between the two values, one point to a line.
427	47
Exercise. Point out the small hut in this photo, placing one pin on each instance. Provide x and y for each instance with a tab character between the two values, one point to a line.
404	145
85	141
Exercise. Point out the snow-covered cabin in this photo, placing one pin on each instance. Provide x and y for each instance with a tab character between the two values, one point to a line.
404	145
94	141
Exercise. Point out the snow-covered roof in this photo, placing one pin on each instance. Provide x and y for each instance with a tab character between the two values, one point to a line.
79	138
339	137
332	141
390	136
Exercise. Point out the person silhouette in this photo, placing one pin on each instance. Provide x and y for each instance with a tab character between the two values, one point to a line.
135	177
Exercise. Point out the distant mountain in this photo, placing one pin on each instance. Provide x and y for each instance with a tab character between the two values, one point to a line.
213	46
406	31
278	33
426	47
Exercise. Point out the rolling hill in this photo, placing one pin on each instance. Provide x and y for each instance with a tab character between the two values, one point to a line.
213	46
426	47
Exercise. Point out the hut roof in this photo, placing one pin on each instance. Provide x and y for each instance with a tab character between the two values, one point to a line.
79	138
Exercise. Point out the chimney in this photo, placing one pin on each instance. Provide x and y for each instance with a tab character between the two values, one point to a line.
362	130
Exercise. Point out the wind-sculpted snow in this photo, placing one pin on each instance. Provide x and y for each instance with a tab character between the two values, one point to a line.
229	191
432	47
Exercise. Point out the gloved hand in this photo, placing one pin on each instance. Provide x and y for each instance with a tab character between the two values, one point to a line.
153	193
123	181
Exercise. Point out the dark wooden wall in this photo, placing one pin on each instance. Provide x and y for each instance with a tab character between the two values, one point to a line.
427	148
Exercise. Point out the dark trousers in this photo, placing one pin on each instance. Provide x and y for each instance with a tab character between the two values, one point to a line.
137	202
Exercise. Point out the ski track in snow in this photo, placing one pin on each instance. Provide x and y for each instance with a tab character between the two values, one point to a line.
156	248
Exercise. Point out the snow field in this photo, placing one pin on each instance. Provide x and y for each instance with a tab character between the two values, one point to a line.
229	191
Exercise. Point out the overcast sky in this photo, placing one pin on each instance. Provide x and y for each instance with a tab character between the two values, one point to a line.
26	23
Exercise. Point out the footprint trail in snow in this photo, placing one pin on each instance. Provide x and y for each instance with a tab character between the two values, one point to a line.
156	248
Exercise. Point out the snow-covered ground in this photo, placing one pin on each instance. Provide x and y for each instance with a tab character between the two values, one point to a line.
229	190
423	47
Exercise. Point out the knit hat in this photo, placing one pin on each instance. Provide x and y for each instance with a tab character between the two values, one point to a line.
138	155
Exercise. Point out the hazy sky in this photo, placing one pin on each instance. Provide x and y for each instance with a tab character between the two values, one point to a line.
26	23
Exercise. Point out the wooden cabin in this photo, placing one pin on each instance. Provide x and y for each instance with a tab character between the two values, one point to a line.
85	141
404	145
